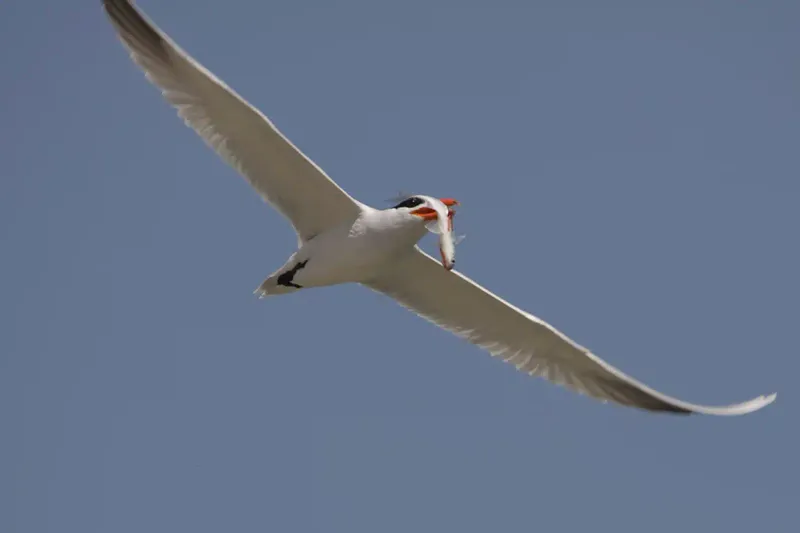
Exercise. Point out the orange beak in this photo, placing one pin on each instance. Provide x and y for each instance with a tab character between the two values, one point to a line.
428	214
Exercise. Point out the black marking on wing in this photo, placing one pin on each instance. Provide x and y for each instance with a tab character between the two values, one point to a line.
286	278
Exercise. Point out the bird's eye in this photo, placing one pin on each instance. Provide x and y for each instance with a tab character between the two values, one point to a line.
410	202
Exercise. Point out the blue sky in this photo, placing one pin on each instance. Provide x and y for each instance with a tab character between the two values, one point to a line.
627	172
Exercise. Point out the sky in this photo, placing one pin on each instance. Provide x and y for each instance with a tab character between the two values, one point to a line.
627	172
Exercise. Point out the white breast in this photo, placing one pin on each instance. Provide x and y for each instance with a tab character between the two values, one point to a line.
356	252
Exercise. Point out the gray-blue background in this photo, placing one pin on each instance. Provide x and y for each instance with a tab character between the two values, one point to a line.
627	172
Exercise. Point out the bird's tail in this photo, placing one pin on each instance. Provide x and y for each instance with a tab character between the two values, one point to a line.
282	281
271	287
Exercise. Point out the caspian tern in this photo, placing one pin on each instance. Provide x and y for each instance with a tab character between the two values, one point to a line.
341	240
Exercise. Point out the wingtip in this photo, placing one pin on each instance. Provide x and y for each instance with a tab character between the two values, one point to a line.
769	398
766	399
750	406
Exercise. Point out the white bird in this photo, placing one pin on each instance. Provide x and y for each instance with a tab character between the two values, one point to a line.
341	240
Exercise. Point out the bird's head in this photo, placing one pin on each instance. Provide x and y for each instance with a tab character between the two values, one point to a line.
437	216
423	207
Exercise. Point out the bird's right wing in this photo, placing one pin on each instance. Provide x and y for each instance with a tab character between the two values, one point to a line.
237	131
461	306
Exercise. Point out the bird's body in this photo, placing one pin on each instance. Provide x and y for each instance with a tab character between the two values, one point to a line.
353	252
342	240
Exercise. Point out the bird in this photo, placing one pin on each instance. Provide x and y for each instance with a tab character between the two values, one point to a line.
342	240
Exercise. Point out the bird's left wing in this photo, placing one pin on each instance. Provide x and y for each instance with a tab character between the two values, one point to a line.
237	131
461	306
